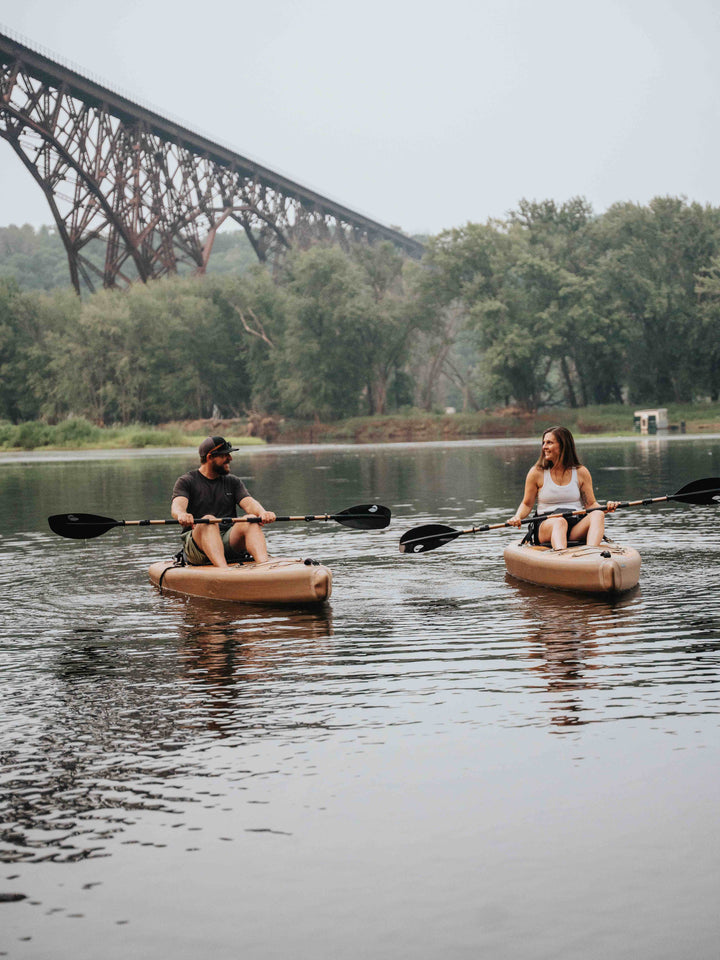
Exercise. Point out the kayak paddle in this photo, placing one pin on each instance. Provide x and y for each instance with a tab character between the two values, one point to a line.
85	526
430	536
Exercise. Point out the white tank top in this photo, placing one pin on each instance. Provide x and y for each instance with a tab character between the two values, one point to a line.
553	497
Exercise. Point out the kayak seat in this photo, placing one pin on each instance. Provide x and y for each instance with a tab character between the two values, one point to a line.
570	543
180	559
243	557
582	543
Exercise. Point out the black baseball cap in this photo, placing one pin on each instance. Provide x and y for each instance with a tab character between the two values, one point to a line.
214	445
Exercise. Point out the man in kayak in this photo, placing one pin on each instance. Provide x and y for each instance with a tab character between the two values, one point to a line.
560	483
210	492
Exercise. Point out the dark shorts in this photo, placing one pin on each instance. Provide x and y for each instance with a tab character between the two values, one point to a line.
533	532
197	558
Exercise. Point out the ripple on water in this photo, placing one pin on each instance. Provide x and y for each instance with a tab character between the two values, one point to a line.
121	702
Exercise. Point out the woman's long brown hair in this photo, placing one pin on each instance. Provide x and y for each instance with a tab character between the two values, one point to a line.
568	453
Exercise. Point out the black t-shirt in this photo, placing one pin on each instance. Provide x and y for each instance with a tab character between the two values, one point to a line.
218	497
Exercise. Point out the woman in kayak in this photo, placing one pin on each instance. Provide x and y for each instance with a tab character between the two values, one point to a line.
560	484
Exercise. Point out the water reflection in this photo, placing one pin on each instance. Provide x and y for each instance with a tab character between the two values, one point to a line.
394	730
568	637
230	659
111	742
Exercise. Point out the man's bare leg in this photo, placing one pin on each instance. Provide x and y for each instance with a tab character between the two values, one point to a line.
250	537
207	536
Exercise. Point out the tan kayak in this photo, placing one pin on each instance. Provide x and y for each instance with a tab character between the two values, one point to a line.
608	568
277	581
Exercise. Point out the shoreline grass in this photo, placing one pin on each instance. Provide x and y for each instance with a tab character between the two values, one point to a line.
79	434
413	426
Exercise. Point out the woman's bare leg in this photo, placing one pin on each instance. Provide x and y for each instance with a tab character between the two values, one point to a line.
555	532
591	529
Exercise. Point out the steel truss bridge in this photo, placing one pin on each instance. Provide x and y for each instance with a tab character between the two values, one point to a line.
145	190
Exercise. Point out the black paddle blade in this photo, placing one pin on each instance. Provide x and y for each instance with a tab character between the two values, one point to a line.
703	492
367	516
429	537
81	526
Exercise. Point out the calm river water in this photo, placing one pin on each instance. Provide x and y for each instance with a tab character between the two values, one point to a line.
440	763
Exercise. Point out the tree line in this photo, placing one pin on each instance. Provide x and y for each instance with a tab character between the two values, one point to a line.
37	260
552	305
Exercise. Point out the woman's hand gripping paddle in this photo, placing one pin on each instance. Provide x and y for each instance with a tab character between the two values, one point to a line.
430	536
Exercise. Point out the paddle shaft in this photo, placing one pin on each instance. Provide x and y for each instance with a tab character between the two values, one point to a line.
433	535
645	502
85	526
246	519
575	513
498	526
439	537
549	516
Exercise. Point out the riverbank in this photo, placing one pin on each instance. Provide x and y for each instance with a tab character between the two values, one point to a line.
415	427
79	434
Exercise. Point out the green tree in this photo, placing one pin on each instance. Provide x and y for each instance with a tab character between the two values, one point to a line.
151	353
21	359
588	348
506	290
515	327
35	258
457	271
84	356
390	322
705	344
253	310
644	283
324	363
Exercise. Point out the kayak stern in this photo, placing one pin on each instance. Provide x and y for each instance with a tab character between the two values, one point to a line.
608	568
278	581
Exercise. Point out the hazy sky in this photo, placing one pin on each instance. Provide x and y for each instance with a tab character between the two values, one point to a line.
418	114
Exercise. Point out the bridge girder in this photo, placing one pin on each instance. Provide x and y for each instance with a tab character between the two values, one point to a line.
153	192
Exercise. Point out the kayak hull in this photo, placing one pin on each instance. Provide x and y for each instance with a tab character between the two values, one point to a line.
278	581
608	568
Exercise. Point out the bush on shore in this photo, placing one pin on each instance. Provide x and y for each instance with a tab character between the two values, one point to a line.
612	420
413	426
79	434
